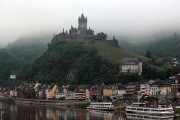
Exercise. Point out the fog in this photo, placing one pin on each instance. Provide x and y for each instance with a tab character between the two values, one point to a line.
121	18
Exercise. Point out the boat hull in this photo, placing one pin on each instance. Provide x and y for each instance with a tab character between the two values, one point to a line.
105	106
110	109
137	116
146	110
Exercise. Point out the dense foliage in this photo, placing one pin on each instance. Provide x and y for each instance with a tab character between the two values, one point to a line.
71	63
101	36
75	63
17	55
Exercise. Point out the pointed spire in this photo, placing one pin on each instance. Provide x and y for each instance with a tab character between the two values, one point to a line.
63	30
82	15
114	38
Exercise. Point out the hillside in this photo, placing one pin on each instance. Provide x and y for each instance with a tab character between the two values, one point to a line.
115	54
67	62
74	63
19	54
77	63
162	49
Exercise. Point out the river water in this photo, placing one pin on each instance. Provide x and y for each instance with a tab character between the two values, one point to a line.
30	112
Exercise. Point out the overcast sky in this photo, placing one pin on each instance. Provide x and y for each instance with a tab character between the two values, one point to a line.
114	17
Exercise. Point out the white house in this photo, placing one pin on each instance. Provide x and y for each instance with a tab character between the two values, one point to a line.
121	92
143	89
87	94
12	76
131	65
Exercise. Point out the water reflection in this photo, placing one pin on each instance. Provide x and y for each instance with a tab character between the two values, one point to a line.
106	115
135	116
30	112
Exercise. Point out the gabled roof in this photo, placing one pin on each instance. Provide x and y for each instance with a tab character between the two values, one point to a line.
71	88
83	87
108	86
121	87
127	61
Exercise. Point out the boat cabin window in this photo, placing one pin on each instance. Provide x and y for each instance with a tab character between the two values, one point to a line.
162	106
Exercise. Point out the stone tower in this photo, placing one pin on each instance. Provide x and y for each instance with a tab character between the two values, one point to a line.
82	24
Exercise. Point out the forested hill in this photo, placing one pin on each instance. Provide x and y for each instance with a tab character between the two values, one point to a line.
18	58
77	63
71	63
20	53
164	48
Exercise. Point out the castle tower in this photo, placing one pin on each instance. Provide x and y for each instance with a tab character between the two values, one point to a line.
82	24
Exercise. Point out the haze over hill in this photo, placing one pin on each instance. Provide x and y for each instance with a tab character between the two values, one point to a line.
31	60
120	18
164	47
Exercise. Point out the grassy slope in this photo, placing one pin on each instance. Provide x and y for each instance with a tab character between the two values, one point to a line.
115	54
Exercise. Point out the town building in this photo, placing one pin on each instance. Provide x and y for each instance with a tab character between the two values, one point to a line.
155	89
165	88
130	90
96	92
175	86
147	89
121	92
142	91
131	65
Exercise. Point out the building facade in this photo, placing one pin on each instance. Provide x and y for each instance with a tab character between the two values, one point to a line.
131	65
155	89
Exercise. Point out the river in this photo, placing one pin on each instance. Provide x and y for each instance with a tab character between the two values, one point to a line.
31	112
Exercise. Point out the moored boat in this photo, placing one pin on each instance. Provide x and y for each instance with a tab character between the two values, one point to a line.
101	106
137	116
150	108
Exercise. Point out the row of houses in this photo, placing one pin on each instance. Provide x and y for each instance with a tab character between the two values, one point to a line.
131	91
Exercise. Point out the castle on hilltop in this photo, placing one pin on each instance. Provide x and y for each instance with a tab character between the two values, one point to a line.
81	34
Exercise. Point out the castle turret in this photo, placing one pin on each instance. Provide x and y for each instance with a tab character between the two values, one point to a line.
82	24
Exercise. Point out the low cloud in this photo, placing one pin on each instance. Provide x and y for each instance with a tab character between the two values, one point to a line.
129	18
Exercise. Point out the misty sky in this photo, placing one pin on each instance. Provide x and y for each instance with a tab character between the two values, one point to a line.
114	17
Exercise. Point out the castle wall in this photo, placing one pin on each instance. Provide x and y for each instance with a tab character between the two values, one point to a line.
82	34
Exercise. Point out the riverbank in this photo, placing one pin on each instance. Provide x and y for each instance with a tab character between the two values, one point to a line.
6	100
67	103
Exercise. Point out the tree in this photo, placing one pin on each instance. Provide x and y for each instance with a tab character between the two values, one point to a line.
148	54
101	36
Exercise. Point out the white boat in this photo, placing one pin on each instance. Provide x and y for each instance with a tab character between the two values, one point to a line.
101	106
136	116
150	108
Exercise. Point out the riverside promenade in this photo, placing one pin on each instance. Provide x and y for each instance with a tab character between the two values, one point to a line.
50	102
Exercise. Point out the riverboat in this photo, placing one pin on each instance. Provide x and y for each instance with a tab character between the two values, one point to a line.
101	106
150	108
136	116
